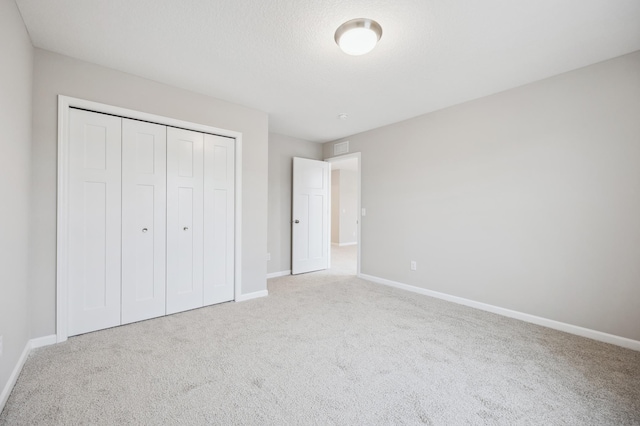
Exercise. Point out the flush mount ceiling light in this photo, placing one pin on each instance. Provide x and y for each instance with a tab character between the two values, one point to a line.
358	36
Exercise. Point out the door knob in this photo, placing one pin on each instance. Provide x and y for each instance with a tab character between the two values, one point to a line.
296	221
144	229
186	228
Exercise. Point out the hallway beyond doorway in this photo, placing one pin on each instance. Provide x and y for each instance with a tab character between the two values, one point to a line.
344	260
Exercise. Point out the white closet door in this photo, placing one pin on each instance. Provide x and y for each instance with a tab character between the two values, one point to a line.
94	221
184	220
144	174
219	198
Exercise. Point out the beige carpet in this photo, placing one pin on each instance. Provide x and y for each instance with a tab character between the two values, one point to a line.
328	348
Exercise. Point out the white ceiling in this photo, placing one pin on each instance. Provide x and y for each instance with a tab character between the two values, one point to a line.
279	56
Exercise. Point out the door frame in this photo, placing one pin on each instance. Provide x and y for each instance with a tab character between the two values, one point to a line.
358	156
62	258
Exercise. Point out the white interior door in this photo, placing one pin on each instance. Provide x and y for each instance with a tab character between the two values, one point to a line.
94	222
310	227
219	199
184	220
144	156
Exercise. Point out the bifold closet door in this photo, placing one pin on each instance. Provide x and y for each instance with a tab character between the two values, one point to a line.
144	174
219	198
184	220
94	205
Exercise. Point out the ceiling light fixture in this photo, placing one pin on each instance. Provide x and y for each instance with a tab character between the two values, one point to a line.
358	36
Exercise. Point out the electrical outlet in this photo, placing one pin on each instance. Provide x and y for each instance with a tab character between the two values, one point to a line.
414	265
268	257
0	345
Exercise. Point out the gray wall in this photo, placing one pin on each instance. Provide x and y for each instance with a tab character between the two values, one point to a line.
282	149
55	74
528	199
15	145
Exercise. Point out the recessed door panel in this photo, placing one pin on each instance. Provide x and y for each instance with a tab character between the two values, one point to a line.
184	220
218	243
219	225
94	221
185	157
95	146
313	177
94	266
145	146
143	220
301	236
145	276
218	164
317	226
185	250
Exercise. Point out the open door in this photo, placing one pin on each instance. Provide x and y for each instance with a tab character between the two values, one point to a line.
310	216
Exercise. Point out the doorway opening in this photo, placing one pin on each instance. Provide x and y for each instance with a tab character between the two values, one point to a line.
345	214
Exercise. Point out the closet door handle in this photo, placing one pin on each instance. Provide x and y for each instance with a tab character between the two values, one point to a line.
186	228
144	229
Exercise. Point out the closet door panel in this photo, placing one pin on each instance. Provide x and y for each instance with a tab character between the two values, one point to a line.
219	226
94	221
144	147
184	220
185	250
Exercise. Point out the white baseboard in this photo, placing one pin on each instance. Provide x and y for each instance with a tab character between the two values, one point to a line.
355	243
278	274
545	322
254	295
43	341
13	378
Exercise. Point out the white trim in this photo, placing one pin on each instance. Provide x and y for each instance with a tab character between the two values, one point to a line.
344	244
329	224
278	274
66	102
238	219
13	378
43	341
62	217
357	155
545	322
329	219
254	295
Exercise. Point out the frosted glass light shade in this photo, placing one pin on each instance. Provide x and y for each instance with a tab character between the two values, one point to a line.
358	36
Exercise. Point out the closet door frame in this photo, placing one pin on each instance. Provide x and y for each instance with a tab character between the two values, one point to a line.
65	103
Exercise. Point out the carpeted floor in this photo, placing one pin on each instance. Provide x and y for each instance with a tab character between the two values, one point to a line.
328	348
